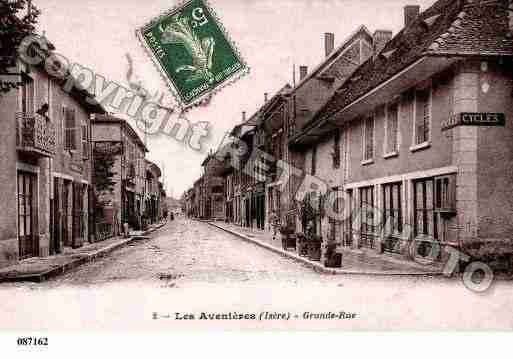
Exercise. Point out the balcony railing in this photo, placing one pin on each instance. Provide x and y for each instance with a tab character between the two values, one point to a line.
35	134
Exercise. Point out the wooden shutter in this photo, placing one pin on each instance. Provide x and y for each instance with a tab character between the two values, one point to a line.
85	140
70	129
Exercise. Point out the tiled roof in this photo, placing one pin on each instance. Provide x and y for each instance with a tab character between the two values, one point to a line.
481	28
254	119
449	27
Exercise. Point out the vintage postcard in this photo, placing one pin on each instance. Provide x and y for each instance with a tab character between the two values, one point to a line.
358	178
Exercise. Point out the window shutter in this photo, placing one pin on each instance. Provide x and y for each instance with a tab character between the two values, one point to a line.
74	130
70	129
392	128
423	116
85	135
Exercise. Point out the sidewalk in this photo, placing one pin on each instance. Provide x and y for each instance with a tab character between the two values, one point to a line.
39	269
353	262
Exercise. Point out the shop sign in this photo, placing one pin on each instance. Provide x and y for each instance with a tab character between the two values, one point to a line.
474	119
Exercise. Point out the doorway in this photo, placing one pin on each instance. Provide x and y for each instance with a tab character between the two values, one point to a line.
27	215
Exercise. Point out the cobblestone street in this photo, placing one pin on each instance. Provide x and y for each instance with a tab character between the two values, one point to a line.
190	266
186	252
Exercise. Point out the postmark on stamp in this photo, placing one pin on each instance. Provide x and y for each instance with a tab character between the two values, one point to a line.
193	52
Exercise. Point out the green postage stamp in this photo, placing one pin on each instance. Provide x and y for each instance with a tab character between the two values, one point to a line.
193	51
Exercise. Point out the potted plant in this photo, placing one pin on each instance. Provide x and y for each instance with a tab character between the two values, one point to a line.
302	244
333	259
314	248
288	239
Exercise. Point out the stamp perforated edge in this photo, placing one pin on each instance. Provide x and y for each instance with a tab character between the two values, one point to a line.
205	98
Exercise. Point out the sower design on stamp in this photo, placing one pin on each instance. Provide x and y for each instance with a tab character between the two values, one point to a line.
192	50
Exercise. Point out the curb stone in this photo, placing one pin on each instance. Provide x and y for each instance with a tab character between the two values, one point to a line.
317	267
76	261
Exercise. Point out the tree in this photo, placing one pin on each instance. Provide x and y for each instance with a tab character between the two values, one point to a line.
104	159
14	27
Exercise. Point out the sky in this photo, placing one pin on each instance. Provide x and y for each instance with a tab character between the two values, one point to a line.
271	35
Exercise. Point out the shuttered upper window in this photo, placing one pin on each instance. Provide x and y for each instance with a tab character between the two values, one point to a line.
70	128
422	115
392	128
368	139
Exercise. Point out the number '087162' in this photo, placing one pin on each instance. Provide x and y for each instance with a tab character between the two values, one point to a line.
32	341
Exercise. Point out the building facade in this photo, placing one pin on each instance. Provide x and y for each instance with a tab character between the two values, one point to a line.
46	164
126	202
153	193
403	141
425	138
213	202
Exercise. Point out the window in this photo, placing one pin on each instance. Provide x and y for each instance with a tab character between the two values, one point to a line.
429	225
392	128
368	139
85	142
336	223
393	216
277	207
70	129
445	193
425	219
291	116
314	159
422	115
27	96
278	153
336	149
367	220
347	240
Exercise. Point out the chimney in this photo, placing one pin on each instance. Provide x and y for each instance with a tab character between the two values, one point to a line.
329	43
265	97
411	12
303	71
243	116
380	39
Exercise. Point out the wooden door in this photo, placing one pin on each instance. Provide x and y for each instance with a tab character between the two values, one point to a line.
27	215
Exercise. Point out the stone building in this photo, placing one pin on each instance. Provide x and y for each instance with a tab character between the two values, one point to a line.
198	199
46	165
425	136
213	189
271	140
240	180
188	202
125	204
152	192
297	107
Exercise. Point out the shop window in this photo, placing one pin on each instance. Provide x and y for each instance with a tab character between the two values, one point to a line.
393	216
367	220
445	200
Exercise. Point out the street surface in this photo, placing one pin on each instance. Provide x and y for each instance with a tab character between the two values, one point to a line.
190	267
